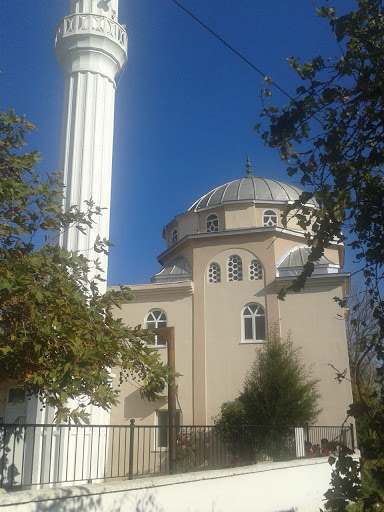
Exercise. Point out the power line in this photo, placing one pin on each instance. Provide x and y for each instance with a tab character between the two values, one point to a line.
255	68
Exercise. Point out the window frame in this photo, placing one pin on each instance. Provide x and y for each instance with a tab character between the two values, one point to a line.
17	390
156	321
261	268
214	217
158	433
218	271
175	236
269	214
241	270
253	317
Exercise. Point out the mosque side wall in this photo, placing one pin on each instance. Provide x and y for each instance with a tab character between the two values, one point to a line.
317	325
220	359
210	353
178	309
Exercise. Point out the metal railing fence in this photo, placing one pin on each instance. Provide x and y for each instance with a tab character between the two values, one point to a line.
48	455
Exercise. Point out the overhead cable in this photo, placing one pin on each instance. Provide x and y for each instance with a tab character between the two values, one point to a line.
229	46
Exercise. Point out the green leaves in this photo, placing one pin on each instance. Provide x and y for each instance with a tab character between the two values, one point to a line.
58	338
331	136
278	389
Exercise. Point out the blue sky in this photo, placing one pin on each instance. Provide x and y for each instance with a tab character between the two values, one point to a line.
185	105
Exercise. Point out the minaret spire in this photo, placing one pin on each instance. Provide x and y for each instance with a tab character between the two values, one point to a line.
249	168
91	46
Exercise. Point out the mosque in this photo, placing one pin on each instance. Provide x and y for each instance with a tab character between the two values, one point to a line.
224	262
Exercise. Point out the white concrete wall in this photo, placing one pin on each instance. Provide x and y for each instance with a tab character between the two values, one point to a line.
295	486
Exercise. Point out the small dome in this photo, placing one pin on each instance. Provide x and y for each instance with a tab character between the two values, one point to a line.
293	261
249	189
175	270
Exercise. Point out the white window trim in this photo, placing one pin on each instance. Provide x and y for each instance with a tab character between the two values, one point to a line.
218	223
252	342
242	269
262	270
277	217
155	345
208	270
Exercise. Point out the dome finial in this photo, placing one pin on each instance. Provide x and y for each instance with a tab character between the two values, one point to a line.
249	169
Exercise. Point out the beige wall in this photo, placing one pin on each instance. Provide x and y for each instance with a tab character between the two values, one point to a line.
220	359
227	357
221	326
202	216
172	299
209	349
239	216
314	320
231	217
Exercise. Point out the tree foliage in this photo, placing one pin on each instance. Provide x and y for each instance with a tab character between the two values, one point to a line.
278	393
58	338
278	389
362	336
331	135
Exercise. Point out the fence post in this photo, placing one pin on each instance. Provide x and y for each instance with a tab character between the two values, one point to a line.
131	444
352	437
2	458
242	446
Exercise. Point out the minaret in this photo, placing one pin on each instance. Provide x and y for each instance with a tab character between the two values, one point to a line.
91	46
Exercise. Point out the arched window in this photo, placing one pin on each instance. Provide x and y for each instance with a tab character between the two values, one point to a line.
255	270
212	223
269	218
156	318
253	320
214	273
174	236
235	268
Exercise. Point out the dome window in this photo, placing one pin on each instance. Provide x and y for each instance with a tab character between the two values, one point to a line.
253	323
174	236
212	223
255	270
235	268
269	218
214	273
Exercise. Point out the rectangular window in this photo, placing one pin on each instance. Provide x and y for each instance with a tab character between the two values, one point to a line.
159	341
248	334
260	327
162	431
16	396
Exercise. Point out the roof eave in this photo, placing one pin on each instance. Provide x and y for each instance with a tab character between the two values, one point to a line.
233	232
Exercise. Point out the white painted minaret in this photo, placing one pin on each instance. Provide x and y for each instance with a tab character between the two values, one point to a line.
91	46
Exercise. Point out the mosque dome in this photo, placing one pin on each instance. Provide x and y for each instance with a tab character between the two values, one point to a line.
249	189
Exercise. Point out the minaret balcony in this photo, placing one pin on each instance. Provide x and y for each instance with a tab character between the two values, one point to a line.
91	43
77	24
